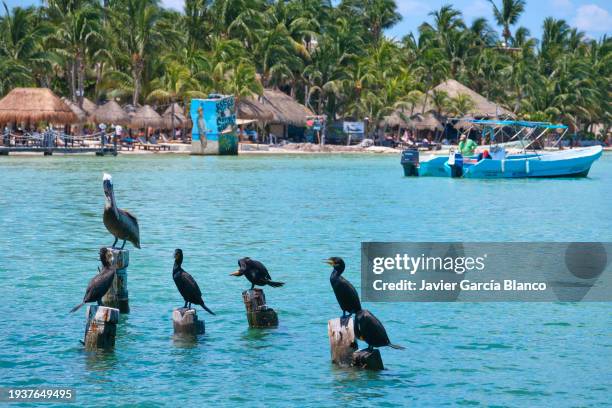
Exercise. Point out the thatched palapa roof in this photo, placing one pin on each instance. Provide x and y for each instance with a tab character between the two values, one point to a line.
397	118
180	121
33	105
253	108
285	109
145	116
88	106
463	124
80	113
483	108
111	113
428	121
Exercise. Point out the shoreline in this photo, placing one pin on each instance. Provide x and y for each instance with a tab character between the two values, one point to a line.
288	149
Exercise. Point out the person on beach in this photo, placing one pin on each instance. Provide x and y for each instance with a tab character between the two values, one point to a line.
467	146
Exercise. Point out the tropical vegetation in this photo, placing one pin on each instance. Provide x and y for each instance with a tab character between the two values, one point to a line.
333	56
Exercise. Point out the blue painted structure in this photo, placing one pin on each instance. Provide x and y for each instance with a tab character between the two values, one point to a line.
214	124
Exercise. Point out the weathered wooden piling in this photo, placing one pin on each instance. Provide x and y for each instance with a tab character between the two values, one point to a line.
101	327
258	313
342	340
367	359
117	295
343	346
186	321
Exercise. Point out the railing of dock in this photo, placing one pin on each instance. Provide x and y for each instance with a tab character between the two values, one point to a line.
55	140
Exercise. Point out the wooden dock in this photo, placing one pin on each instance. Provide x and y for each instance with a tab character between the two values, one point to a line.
108	150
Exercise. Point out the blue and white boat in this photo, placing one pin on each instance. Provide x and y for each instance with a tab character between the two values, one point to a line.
498	164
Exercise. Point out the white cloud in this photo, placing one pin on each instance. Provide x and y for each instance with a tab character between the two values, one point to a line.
174	4
591	17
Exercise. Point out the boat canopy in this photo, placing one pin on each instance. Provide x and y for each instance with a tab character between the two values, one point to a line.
523	123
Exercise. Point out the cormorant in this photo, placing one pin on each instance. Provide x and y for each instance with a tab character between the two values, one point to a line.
256	273
99	284
118	222
186	285
345	292
369	329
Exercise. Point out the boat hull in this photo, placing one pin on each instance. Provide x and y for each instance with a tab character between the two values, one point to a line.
433	167
570	163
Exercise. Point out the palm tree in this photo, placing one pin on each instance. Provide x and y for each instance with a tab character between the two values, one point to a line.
461	105
441	101
241	81
375	15
177	83
21	48
507	16
139	41
76	35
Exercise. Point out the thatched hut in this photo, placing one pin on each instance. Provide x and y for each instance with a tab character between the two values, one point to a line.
174	116
88	106
286	112
252	108
463	124
427	121
111	113
145	117
80	113
483	108
33	105
396	119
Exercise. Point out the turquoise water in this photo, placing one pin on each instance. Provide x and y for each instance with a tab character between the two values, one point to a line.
290	212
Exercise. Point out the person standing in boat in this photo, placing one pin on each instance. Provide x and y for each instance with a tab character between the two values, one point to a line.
467	146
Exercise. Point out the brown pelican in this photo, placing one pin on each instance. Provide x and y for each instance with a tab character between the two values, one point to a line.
186	285
369	329
118	222
345	292
99	284
256	273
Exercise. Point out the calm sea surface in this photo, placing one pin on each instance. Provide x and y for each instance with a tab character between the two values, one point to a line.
290	212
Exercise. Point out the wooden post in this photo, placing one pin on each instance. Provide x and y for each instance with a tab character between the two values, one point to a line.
101	327
342	340
370	360
186	321
258	313
343	345
117	295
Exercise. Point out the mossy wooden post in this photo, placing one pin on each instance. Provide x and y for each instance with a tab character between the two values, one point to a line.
101	327
343	346
258	313
186	321
117	295
342	340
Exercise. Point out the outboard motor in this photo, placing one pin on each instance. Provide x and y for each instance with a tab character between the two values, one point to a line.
410	162
455	161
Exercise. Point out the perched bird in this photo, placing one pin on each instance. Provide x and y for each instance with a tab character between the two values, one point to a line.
256	273
186	285
118	222
99	284
345	292
369	329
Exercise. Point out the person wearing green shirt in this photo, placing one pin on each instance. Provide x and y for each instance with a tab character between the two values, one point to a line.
467	146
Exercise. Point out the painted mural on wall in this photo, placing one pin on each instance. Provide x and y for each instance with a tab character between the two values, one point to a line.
214	127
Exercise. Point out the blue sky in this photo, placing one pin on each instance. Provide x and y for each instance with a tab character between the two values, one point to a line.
592	16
